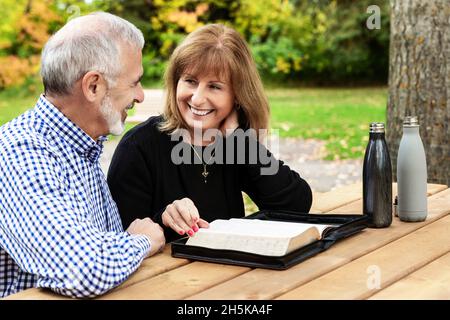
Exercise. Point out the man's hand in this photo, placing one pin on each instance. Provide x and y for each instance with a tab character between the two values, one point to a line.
183	217
152	230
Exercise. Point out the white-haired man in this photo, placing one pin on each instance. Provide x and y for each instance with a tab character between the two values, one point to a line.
59	226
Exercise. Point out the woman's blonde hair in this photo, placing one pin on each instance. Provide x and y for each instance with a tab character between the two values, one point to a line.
221	50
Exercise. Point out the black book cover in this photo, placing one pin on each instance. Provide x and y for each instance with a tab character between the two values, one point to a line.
347	225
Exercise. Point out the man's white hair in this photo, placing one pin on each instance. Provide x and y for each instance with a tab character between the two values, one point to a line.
87	43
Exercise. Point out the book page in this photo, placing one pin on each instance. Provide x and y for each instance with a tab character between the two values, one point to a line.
263	237
264	227
271	246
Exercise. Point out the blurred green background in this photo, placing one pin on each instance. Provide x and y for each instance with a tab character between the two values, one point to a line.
324	70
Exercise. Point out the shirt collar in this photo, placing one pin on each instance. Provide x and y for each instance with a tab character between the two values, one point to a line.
68	131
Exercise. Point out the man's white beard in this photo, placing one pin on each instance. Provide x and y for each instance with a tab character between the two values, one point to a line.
112	117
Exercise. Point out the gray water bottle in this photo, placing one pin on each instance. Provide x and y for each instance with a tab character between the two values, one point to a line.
411	173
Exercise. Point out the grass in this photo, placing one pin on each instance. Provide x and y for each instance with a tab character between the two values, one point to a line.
339	116
14	102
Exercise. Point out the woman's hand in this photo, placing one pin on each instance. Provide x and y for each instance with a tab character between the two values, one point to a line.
230	123
183	217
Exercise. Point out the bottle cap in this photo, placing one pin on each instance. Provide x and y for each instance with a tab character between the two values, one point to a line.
410	121
377	127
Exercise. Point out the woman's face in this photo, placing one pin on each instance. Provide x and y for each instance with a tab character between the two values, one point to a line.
204	100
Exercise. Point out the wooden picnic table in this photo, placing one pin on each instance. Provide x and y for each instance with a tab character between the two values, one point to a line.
404	261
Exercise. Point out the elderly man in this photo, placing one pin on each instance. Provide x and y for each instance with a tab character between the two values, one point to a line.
59	226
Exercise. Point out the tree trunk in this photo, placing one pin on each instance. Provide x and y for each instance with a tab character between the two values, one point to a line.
419	80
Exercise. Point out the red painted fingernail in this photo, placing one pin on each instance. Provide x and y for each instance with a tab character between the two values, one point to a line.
181	232
195	228
190	232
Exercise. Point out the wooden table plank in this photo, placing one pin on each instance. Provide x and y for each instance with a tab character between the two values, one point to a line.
357	279
430	282
323	202
179	283
338	198
153	266
431	188
268	284
356	206
36	294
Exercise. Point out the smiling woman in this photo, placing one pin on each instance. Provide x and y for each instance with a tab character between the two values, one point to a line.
212	86
214	64
204	101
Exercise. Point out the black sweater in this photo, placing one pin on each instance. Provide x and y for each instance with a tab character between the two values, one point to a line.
143	180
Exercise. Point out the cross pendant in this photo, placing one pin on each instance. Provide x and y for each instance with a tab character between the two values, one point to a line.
205	173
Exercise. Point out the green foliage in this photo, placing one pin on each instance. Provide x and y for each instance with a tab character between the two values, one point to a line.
321	41
355	52
285	36
153	66
164	24
10	14
279	59
296	40
318	41
25	29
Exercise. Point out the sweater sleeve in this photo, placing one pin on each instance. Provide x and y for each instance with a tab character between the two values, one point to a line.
129	180
130	183
273	185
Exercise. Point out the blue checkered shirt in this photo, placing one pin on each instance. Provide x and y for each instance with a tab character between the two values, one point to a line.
59	226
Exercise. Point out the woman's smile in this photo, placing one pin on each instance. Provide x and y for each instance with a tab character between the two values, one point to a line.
200	112
204	100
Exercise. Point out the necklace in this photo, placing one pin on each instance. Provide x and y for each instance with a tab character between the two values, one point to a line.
205	172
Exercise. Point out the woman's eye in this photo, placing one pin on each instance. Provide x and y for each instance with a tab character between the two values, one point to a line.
215	87
190	81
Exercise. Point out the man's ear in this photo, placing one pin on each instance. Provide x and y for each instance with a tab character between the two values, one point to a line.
93	85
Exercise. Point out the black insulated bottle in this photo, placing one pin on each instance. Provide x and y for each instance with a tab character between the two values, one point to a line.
377	179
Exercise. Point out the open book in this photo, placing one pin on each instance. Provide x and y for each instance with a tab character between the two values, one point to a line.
263	237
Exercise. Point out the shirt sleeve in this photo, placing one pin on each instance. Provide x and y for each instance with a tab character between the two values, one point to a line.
271	184
47	233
